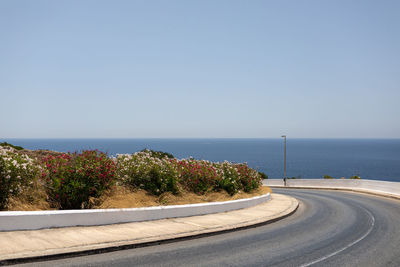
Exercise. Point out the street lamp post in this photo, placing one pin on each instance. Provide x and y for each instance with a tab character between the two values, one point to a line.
284	176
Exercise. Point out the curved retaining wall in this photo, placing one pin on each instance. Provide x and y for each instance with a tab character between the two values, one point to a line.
33	220
373	186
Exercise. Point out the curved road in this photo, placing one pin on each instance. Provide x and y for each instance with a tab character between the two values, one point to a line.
330	228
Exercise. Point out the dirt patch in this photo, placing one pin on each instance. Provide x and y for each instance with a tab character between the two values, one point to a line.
121	197
34	198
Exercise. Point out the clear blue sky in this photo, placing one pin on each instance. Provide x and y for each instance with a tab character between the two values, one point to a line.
313	69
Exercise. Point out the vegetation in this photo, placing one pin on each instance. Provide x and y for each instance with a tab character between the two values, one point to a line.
198	176
158	154
77	180
249	178
352	177
17	172
148	170
263	175
229	180
157	174
10	145
72	179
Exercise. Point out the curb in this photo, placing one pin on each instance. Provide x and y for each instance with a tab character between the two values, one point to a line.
36	220
157	240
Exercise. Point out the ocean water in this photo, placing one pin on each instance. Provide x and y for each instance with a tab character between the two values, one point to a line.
377	159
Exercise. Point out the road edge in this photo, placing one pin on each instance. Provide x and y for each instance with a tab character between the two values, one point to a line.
117	246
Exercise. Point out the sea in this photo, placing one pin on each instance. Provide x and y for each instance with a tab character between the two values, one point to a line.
376	159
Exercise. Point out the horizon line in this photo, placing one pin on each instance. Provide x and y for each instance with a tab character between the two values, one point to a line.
1	138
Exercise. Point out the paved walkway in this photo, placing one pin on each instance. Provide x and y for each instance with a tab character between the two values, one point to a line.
47	242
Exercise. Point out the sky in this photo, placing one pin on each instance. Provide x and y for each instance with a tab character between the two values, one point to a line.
199	69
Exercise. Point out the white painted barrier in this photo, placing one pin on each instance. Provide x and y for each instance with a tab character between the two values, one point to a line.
381	187
33	220
273	182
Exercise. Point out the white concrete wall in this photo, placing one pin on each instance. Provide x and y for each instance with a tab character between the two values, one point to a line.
273	182
32	220
392	188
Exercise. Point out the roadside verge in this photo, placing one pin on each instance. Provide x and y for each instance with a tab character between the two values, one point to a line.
21	246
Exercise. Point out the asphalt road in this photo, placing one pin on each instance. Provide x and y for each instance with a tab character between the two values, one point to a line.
330	228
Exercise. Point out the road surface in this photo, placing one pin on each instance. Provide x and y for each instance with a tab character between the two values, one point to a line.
330	228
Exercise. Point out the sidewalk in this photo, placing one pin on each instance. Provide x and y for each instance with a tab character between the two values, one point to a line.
50	242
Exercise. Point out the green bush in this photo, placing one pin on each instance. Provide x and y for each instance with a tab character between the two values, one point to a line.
158	154
328	177
146	171
72	179
263	175
355	177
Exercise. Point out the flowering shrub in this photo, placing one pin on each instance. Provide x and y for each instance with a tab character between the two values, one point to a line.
16	173
148	170
73	178
198	176
228	179
157	173
249	178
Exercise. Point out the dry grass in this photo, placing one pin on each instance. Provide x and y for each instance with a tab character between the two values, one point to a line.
34	198
121	197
